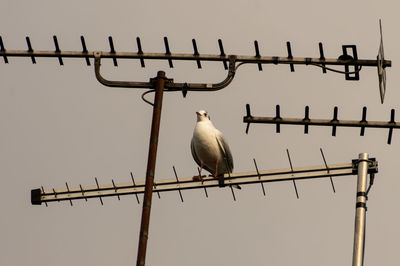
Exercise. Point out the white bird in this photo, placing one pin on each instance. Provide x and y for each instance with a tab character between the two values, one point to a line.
209	148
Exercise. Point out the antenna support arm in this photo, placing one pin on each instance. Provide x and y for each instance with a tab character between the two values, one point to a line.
119	84
169	85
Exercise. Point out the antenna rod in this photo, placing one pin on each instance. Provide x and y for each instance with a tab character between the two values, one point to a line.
158	82
334	123
39	196
320	122
191	57
361	209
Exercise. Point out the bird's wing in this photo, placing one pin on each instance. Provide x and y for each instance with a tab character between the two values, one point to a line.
223	145
197	159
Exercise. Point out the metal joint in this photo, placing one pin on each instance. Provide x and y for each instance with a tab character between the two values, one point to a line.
166	80
372	165
362	194
361	205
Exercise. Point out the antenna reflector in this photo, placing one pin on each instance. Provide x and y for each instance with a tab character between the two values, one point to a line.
381	69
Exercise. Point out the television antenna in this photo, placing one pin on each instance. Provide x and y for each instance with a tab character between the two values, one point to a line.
349	59
39	196
360	167
334	122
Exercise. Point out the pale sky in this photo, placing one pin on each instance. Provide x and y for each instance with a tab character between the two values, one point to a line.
59	124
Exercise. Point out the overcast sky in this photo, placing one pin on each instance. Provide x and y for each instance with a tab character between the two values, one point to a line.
59	124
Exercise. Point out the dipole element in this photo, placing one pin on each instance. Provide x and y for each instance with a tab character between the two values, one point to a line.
159	82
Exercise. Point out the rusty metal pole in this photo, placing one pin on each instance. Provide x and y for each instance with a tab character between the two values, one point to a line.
159	82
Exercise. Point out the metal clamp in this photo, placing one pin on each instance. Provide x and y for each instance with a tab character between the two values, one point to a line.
372	165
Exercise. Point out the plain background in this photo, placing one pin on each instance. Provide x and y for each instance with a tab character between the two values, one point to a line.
58	124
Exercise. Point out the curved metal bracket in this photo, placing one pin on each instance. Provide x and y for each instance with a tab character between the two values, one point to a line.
118	84
206	86
169	85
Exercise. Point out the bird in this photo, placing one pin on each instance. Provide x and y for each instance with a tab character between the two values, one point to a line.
209	148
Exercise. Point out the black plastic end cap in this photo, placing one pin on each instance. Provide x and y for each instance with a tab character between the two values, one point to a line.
36	196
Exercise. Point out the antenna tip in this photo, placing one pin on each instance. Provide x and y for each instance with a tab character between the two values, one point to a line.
161	74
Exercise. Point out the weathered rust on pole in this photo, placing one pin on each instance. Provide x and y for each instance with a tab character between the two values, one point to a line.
159	82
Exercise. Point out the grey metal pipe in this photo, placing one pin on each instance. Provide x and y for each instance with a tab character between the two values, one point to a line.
361	209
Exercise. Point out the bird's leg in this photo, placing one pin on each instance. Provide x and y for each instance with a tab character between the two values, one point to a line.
199	177
215	175
201	168
220	177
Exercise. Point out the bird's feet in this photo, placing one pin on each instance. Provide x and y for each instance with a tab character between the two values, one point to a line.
198	177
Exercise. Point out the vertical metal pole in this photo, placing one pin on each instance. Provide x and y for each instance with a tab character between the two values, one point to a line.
151	164
361	208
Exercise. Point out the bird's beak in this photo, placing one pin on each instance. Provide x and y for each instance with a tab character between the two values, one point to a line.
197	113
